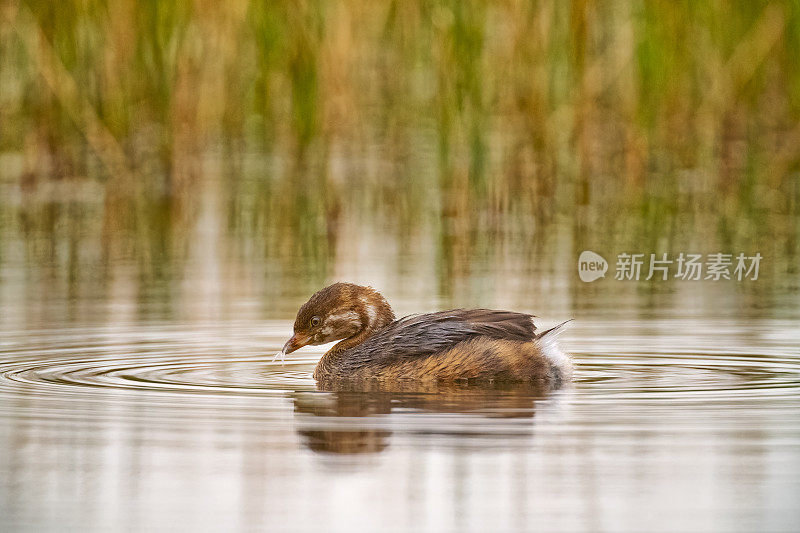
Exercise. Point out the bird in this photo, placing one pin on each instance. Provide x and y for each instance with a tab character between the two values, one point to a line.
457	345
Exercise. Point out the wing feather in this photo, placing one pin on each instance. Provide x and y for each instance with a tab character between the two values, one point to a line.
427	334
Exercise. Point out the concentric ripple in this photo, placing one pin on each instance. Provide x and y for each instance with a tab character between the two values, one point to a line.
656	361
176	360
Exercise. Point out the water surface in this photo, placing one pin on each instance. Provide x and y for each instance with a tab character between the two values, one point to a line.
187	424
176	178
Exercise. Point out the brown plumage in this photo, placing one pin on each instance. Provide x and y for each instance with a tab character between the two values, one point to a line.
480	345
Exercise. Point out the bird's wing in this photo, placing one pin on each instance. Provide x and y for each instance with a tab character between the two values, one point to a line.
427	334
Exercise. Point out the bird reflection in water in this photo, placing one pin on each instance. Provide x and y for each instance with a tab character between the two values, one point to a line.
356	418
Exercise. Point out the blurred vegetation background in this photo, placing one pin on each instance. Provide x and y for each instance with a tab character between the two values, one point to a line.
248	151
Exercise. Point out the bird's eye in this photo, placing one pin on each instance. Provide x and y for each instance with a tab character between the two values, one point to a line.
315	321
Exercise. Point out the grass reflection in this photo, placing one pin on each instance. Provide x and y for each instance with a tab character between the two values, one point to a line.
473	137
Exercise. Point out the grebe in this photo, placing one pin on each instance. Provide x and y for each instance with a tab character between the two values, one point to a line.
473	345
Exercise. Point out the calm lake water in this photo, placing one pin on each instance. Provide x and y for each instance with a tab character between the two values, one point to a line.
129	401
177	178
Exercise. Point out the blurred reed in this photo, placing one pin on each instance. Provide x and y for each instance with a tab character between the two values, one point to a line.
493	126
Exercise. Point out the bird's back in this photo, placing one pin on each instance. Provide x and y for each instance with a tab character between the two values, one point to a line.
460	344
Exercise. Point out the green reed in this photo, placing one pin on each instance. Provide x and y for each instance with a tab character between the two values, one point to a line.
660	123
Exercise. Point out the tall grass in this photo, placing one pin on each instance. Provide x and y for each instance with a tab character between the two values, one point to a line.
643	123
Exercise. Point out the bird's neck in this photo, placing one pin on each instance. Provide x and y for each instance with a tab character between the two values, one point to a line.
351	342
374	319
331	362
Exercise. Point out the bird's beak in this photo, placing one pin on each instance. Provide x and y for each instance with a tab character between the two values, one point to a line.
297	341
